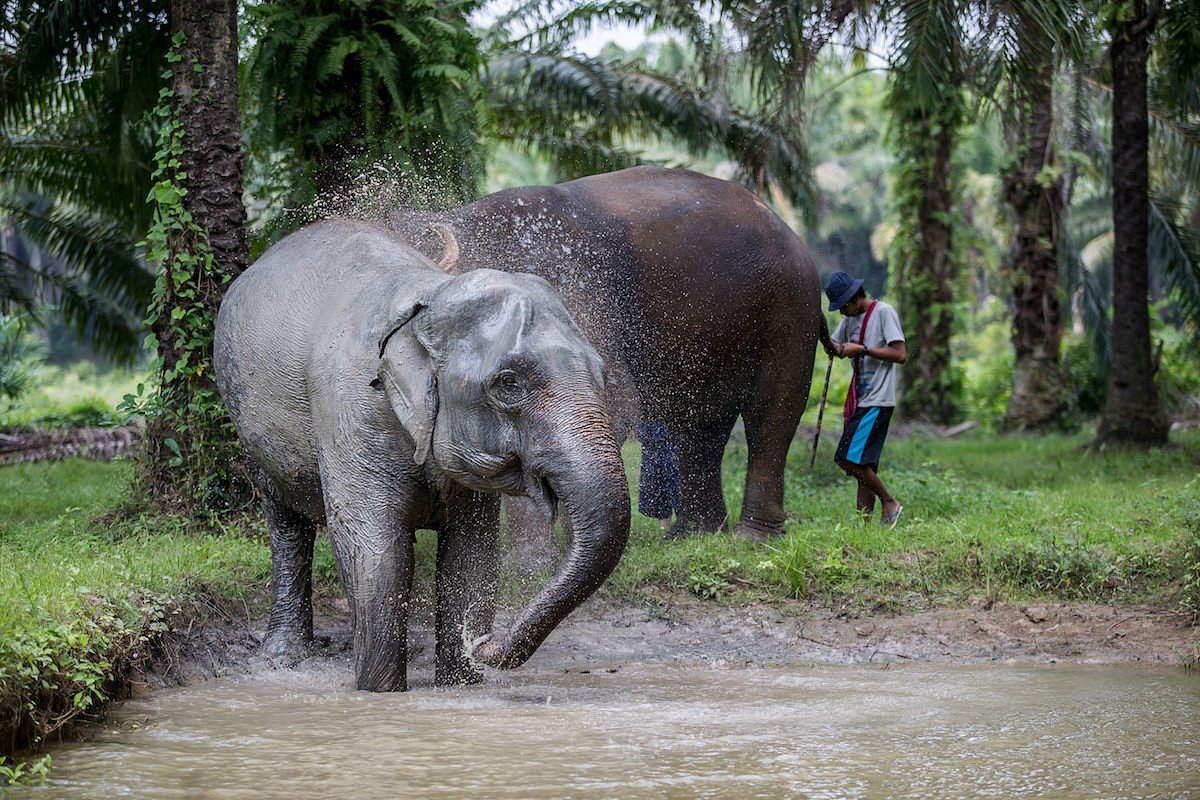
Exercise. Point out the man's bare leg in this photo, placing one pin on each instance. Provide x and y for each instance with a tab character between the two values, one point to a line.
870	487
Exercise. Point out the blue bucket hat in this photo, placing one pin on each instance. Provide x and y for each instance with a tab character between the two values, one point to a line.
841	288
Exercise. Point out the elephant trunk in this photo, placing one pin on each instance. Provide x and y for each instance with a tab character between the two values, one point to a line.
593	493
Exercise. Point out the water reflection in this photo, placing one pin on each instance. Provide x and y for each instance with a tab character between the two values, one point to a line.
649	731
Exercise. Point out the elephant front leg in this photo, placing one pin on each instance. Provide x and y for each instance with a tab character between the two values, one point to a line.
377	574
290	626
373	547
467	582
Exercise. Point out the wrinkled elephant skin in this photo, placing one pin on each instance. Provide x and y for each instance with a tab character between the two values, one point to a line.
377	395
687	283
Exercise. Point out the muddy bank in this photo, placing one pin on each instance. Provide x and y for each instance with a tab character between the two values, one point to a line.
681	630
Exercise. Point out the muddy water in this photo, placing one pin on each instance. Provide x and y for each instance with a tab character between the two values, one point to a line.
654	731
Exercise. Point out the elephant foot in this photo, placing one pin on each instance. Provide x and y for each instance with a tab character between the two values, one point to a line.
687	526
457	676
682	529
289	645
757	532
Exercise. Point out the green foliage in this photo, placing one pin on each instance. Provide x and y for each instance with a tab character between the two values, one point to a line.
586	114
1178	376
79	78
711	581
15	773
16	353
1087	376
1188	555
996	517
985	356
1012	516
76	395
928	107
342	92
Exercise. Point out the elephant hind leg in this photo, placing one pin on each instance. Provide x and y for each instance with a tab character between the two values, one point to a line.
771	419
701	500
290	626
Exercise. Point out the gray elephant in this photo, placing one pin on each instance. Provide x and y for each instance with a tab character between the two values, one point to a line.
377	395
690	287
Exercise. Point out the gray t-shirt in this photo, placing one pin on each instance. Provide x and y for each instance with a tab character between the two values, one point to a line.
876	379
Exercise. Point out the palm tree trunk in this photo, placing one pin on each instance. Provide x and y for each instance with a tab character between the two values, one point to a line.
1034	191
1131	411
205	105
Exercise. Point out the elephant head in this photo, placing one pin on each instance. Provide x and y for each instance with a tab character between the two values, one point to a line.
500	391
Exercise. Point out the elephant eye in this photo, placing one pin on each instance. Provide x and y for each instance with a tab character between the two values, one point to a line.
508	388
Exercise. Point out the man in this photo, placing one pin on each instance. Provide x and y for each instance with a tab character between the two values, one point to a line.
658	481
870	333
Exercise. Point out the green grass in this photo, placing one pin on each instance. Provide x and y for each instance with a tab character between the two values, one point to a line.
80	599
1013	517
998	517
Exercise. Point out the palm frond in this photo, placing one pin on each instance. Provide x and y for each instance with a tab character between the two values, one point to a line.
58	45
87	269
1177	83
16	288
89	245
76	145
108	326
1174	248
336	88
578	99
551	29
927	59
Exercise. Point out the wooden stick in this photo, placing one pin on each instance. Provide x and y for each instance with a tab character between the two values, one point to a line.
821	414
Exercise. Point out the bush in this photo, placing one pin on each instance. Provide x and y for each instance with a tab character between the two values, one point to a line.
81	599
1087	377
1178	377
81	395
55	670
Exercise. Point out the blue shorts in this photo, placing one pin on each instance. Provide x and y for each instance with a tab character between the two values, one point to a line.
863	436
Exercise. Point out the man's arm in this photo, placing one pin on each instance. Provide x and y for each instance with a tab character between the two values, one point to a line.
895	352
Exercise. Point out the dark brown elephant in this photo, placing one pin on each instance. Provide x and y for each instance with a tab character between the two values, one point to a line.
688	284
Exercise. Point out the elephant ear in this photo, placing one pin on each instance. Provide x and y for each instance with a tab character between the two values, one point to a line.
406	375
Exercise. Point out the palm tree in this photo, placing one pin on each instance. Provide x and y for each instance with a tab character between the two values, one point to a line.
1131	411
1173	249
928	112
1035	189
77	81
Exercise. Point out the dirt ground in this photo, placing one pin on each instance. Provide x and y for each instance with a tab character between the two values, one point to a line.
683	630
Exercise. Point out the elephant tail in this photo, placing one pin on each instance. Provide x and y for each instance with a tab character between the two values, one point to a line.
823	335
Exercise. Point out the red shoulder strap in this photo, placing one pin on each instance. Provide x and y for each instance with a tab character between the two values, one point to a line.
862	332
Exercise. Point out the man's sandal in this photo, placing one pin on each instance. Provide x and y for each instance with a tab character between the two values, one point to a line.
891	519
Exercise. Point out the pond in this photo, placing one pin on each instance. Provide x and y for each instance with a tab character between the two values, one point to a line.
656	731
